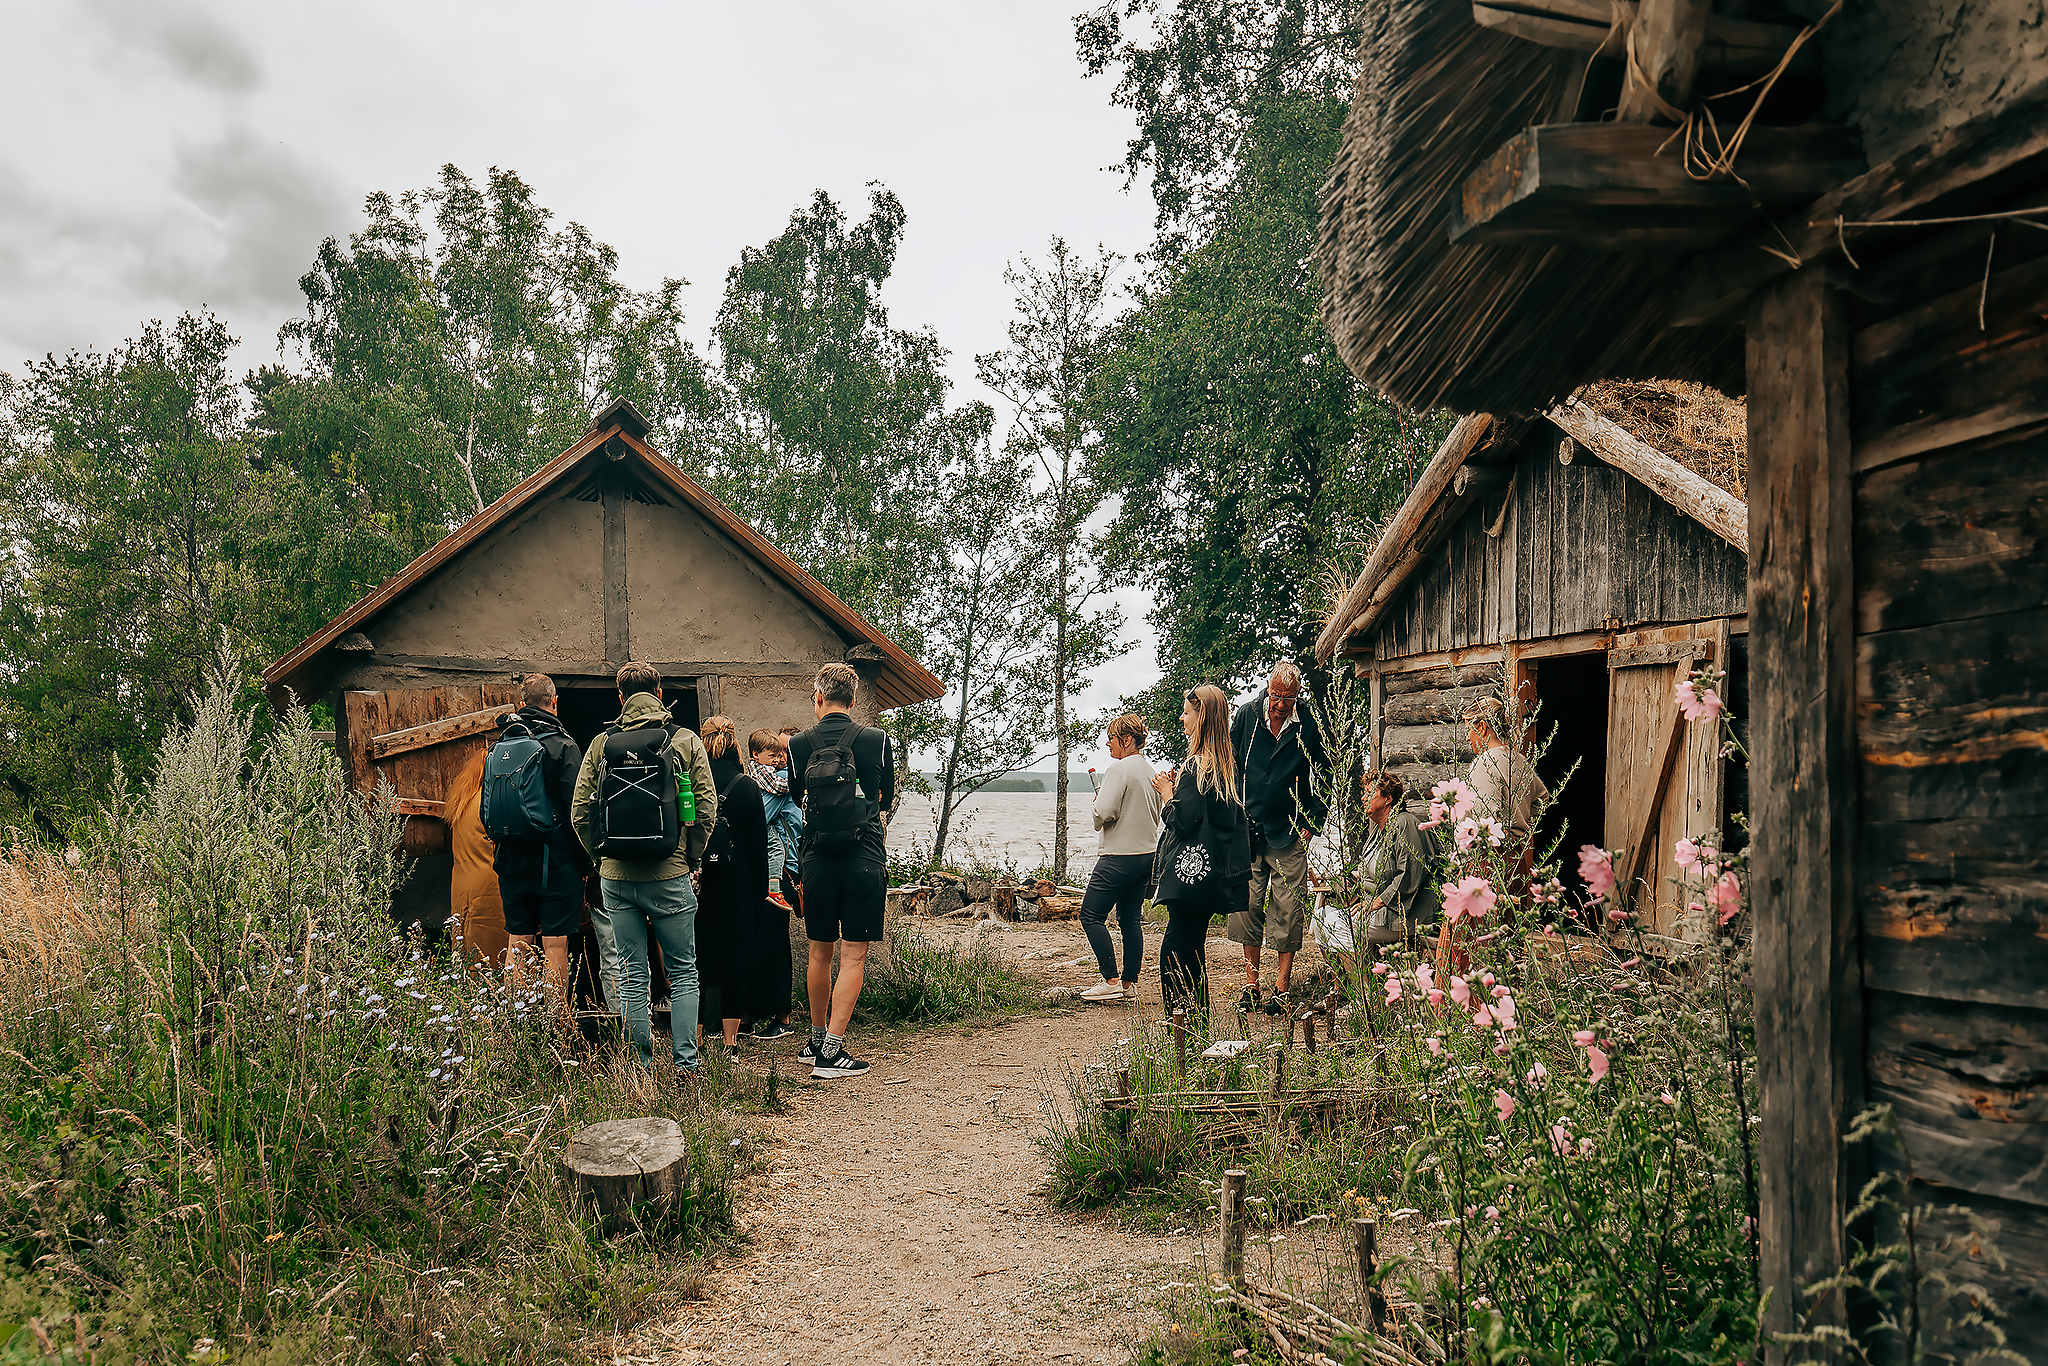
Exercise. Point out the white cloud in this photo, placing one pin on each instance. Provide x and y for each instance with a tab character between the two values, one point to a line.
183	39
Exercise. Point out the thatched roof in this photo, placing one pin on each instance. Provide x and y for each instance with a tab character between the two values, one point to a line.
1701	428
1435	325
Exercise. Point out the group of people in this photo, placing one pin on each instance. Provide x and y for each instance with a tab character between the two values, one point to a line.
1227	834
699	857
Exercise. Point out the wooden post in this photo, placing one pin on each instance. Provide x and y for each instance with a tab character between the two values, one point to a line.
1365	1236
1308	1032
1123	1089
1279	1073
1663	49
1803	787
1232	1209
1180	1044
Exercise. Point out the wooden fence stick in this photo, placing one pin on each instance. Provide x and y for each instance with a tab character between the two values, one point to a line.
1365	1233
1180	1043
1233	1228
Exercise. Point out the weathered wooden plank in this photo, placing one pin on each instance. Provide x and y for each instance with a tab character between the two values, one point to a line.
1934	375
1968	1084
420	806
1955	719
1663	60
1625	186
2018	1232
1736	47
439	732
1955	908
1436	706
1423	744
1431	679
1801	681
1641	856
1419	778
1663	652
618	640
1955	534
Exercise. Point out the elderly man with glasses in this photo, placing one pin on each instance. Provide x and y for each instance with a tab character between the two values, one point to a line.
1280	755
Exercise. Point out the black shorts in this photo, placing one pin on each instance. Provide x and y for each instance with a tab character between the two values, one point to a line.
553	910
843	899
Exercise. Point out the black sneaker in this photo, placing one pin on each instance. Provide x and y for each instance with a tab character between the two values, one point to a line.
772	1031
806	1053
839	1064
1277	1003
1248	1001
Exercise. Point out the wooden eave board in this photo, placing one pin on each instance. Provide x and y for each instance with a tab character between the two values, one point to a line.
903	682
1626	186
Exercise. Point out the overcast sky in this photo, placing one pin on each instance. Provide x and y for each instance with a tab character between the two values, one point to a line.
168	155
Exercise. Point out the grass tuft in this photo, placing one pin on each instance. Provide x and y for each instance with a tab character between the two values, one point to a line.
920	980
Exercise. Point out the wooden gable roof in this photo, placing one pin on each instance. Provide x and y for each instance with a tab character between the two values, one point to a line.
1478	459
619	433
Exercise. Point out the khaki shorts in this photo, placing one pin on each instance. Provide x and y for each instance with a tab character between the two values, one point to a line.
1283	873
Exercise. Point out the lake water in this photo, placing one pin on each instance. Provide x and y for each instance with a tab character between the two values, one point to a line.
1007	829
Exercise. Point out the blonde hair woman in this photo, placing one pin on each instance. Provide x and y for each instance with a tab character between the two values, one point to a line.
1206	848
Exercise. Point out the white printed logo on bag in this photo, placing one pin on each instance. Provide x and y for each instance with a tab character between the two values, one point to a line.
1191	864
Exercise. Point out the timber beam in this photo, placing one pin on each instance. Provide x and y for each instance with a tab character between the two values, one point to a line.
1731	47
1626	186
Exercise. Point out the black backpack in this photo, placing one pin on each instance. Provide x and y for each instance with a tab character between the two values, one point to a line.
637	819
834	810
719	849
516	803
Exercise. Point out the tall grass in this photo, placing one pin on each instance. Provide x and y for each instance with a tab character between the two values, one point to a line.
920	980
241	1117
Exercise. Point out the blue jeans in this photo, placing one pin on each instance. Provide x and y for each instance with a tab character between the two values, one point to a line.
668	911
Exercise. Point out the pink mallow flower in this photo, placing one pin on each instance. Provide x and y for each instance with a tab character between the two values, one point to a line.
1667	1098
1482	1018
1598	1062
1728	896
1393	990
1503	1104
1468	834
1455	796
1461	992
1472	896
1584	1038
1504	1012
1434	1045
1695	701
1561	1139
1596	868
1425	978
1537	1074
1686	853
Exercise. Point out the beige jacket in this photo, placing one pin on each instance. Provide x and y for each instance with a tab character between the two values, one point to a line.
645	709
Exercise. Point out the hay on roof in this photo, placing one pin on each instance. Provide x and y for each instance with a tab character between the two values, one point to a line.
1476	328
1700	427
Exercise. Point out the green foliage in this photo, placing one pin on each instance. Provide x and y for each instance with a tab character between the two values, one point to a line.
922	981
244	1119
126	507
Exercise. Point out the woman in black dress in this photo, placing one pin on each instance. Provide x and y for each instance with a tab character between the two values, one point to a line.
1208	849
733	910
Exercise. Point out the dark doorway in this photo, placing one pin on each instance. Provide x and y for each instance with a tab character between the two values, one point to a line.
584	711
1573	721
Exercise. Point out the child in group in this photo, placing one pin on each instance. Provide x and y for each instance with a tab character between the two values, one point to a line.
768	766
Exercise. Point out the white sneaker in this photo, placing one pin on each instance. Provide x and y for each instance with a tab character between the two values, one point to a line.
1104	991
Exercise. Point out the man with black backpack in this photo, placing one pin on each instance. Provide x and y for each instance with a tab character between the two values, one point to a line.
529	785
644	806
844	776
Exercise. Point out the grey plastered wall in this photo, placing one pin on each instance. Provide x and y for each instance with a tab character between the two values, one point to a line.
532	590
693	594
766	701
1905	71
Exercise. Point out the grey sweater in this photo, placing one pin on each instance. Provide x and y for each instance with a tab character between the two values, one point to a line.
1127	809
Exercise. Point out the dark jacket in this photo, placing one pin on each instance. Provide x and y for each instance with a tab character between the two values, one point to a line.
734	919
1193	816
875	763
561	756
1281	777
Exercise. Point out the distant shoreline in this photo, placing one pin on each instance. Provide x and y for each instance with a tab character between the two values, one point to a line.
1078	780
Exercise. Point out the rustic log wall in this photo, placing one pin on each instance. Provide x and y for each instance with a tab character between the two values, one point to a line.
1951	617
1422	741
1578	544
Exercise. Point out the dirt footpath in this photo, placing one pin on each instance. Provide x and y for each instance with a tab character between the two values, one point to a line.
897	1222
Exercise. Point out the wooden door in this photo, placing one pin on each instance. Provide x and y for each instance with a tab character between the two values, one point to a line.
418	740
1663	773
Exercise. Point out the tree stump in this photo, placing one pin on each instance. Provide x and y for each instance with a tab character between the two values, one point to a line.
621	1163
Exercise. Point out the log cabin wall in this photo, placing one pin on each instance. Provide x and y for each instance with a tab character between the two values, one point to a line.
1948	420
1564	549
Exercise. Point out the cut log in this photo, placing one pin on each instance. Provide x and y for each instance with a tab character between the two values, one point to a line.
1431	680
1059	907
1439	707
1712	506
622	1165
1626	186
1663	50
1404	745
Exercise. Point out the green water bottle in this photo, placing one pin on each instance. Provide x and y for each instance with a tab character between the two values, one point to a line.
686	798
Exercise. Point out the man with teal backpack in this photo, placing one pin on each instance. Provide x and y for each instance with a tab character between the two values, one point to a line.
529	782
644	806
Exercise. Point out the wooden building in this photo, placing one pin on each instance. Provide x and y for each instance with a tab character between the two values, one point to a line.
605	554
1513	215
1592	565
